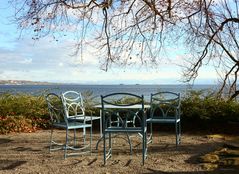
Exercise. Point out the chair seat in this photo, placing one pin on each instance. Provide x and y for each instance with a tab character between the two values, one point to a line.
60	125
72	125
75	125
87	118
127	129
163	120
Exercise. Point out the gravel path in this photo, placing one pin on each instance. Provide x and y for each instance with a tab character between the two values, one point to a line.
29	153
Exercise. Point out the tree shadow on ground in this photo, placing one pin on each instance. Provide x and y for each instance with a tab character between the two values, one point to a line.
199	149
5	140
21	149
10	164
217	171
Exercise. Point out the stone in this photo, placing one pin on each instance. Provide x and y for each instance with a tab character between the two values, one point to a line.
230	162
230	153
209	166
209	158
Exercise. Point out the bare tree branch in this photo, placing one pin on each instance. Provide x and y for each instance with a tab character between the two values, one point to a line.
135	31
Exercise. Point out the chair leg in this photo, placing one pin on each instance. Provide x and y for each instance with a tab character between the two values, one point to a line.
151	130
179	131
104	148
150	139
144	147
109	153
176	133
84	135
129	141
91	140
98	142
110	145
66	144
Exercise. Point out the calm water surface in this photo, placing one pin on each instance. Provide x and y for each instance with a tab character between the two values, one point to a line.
98	90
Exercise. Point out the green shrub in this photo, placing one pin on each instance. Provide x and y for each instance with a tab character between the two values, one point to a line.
15	124
25	106
205	110
200	109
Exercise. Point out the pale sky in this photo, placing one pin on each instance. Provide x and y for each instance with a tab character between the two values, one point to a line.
22	58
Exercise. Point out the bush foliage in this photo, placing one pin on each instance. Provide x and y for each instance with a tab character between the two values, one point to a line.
200	109
198	106
205	110
22	112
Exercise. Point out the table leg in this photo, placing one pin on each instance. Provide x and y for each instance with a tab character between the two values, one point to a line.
101	131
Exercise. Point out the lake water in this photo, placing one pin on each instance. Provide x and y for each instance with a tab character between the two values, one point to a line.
98	90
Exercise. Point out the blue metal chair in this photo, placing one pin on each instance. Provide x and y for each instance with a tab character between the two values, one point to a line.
74	107
60	120
165	108
71	97
123	113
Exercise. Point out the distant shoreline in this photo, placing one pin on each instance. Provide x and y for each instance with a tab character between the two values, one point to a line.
28	82
25	82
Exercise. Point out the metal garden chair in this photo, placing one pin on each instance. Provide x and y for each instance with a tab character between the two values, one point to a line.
60	120
74	107
123	113
165	108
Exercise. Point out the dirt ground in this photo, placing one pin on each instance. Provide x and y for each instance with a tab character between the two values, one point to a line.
29	153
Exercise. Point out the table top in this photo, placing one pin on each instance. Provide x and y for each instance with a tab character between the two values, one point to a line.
138	106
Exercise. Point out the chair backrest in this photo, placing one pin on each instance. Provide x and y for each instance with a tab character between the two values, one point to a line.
123	110
165	105
55	108
73	104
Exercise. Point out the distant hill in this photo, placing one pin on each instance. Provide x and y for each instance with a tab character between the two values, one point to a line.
23	82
